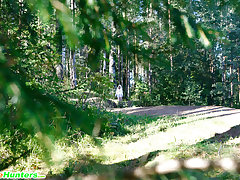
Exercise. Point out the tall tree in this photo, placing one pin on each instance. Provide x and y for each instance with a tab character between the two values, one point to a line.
72	60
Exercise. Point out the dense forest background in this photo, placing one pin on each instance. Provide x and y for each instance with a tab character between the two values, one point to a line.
160	52
57	57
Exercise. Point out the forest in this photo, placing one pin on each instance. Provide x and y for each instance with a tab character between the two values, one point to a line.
61	62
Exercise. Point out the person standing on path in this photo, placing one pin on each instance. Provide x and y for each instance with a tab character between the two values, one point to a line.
119	93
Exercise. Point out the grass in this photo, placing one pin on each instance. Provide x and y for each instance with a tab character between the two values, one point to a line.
127	141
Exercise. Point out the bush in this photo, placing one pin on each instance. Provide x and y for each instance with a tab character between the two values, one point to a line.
141	93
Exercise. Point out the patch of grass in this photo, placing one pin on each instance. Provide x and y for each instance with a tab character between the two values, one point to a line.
78	147
123	141
130	128
205	150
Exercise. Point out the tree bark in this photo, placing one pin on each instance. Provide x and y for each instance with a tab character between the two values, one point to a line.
122	69
238	71
64	63
119	66
135	71
127	79
72	60
149	77
104	63
169	34
149	71
111	66
59	38
231	83
223	80
112	69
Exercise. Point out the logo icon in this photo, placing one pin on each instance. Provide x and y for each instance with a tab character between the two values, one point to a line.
21	175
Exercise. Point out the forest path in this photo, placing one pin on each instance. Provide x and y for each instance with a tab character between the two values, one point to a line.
205	111
201	123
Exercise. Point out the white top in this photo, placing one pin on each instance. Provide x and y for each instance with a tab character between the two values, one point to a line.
119	91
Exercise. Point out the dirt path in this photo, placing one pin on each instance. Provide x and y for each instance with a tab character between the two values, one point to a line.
206	111
203	122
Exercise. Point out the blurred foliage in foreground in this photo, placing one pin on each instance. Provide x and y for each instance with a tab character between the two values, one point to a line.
26	112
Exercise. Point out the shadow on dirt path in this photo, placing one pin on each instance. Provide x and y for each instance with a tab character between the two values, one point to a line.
233	132
206	111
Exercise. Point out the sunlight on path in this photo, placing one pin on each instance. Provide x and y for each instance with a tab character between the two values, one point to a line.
203	125
176	110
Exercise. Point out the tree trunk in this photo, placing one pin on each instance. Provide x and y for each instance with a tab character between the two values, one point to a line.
231	83
127	79
111	66
238	73
135	72
122	70
149	77
72	62
149	71
64	63
169	34
67	62
59	38
223	80
104	63
112	69
119	66
128	74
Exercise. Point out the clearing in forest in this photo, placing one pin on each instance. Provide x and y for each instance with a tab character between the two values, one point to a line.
145	136
199	123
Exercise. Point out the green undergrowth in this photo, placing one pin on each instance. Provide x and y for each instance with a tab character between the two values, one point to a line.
119	124
205	150
78	153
